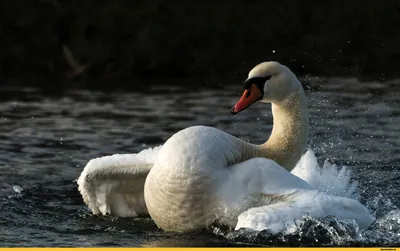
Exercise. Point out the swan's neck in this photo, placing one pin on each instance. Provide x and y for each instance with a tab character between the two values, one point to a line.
288	140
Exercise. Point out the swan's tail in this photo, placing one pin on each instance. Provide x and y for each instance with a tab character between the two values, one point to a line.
329	179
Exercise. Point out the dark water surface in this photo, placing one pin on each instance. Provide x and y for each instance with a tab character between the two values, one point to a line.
45	142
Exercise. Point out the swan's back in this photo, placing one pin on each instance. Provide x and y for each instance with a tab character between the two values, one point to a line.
199	148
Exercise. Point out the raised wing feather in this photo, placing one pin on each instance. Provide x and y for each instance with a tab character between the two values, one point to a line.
329	179
115	184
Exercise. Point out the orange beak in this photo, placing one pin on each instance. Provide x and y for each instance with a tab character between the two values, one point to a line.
249	97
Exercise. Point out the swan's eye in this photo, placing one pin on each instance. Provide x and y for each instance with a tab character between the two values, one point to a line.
258	81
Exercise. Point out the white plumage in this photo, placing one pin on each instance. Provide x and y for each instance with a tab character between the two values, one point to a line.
114	184
331	193
330	178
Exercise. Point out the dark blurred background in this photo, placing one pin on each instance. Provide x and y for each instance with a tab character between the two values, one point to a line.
96	44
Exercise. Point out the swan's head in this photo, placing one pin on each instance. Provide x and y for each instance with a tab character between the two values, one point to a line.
267	82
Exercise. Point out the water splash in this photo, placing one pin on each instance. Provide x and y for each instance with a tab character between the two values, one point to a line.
17	189
327	231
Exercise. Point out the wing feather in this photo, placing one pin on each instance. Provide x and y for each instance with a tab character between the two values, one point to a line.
115	184
282	216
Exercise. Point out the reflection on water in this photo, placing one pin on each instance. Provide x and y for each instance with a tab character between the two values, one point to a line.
45	141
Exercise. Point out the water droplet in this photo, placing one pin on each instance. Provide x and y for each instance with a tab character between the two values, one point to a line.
17	189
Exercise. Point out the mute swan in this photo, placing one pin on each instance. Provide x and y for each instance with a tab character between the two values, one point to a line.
202	174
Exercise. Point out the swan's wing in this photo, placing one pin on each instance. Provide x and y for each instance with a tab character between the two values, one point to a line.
265	176
329	178
277	198
251	183
281	216
115	184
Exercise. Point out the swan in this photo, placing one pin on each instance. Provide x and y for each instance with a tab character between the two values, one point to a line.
202	175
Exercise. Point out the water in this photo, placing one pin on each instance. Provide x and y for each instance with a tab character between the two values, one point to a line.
46	140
